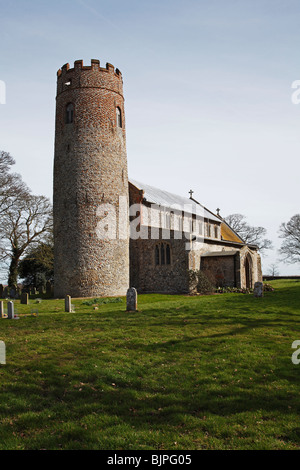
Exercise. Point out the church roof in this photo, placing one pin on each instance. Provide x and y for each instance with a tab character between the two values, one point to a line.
169	200
228	233
213	254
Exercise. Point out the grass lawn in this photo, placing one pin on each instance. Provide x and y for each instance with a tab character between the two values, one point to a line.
185	373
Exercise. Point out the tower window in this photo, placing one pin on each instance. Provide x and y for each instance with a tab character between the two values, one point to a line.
69	113
119	117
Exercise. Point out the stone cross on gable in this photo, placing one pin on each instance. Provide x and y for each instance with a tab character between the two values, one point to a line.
191	193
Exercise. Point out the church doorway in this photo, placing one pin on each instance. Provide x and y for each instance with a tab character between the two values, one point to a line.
248	271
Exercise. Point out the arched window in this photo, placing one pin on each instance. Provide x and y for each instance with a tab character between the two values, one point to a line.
157	255
162	254
69	113
168	254
119	117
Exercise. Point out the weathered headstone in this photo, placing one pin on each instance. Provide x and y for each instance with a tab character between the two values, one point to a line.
68	305
10	310
1	309
2	353
131	299
48	289
258	290
24	298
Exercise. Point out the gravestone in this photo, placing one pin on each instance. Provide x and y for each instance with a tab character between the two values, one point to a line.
2	353
48	289
258	289
24	298
131	299
68	305
10	310
1	309
1	291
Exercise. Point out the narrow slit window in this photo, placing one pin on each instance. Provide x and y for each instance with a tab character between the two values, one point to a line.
119	117
69	113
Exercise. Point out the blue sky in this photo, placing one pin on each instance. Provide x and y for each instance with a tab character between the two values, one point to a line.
207	87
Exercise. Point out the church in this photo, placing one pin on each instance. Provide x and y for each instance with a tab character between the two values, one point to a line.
179	235
158	238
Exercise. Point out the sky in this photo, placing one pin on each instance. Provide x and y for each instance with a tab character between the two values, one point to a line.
208	96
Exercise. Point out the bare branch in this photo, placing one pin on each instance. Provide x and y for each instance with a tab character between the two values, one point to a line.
290	247
250	235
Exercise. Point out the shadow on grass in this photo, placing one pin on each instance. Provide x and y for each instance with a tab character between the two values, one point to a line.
42	410
158	376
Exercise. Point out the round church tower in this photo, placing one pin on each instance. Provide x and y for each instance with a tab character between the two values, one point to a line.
90	200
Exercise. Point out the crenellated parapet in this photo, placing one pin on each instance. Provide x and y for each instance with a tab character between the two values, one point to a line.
89	76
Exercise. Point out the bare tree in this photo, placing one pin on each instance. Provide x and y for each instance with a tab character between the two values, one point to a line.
12	188
290	247
273	270
250	235
25	224
25	219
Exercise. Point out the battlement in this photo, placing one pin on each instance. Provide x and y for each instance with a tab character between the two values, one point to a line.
95	65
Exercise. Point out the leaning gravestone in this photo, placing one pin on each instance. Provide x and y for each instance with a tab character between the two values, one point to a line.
10	310
24	298
68	305
131	298
2	353
258	290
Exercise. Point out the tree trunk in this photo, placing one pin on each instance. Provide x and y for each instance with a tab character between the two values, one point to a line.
13	269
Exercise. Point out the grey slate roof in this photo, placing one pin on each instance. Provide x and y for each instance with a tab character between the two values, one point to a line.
173	201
